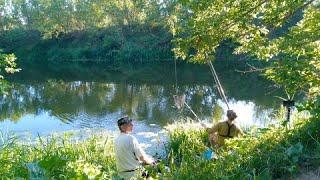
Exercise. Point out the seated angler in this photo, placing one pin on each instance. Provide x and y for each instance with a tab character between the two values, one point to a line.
129	155
224	130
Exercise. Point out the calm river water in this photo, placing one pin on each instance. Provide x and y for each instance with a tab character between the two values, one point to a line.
45	100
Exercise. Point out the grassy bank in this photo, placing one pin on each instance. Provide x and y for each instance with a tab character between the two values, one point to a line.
59	157
273	152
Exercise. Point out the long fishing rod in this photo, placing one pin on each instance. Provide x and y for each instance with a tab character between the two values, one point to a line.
219	86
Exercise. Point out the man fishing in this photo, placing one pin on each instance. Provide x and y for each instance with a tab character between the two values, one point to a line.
129	155
224	130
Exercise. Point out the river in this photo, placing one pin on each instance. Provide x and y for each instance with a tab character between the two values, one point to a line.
44	100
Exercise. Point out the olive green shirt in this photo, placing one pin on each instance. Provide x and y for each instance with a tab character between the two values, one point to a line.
225	131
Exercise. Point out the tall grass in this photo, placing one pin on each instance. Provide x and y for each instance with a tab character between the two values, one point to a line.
274	152
58	157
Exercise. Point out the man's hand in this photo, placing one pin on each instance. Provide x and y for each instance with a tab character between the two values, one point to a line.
147	160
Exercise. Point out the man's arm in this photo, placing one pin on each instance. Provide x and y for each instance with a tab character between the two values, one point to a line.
140	154
240	132
210	130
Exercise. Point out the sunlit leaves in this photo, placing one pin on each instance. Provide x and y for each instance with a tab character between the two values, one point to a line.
250	24
54	18
299	49
59	157
7	66
7	62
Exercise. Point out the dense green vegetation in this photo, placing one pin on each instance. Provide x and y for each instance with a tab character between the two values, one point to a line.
273	152
143	44
285	34
101	30
199	27
267	153
58	157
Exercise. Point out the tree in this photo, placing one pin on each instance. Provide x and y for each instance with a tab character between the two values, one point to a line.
199	27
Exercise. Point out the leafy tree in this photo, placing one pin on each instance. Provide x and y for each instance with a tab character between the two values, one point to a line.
201	26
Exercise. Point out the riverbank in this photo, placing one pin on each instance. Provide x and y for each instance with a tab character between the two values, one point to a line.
58	158
268	153
273	152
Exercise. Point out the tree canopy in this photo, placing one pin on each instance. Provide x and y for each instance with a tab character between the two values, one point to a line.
64	16
199	27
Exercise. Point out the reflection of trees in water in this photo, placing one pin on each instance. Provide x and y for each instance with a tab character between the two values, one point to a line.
154	102
262	115
79	100
200	98
69	100
56	96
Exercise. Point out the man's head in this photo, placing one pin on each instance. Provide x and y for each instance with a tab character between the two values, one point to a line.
231	115
125	124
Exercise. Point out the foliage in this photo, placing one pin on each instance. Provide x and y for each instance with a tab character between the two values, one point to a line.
7	65
188	135
58	157
104	30
266	153
140	44
201	26
135	30
298	65
54	18
11	159
312	106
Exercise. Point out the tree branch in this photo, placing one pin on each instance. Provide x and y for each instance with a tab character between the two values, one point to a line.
254	69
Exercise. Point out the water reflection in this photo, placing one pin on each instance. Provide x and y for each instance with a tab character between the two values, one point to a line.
52	105
90	101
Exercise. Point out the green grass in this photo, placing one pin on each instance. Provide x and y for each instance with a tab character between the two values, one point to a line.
59	157
274	152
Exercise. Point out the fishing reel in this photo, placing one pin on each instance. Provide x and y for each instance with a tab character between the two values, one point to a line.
288	103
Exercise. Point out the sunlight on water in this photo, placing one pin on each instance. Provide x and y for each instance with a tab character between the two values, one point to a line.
51	105
247	113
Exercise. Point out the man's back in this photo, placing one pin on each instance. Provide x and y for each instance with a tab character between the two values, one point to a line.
224	131
127	151
227	130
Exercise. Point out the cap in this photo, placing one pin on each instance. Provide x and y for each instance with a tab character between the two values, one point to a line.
124	120
231	113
